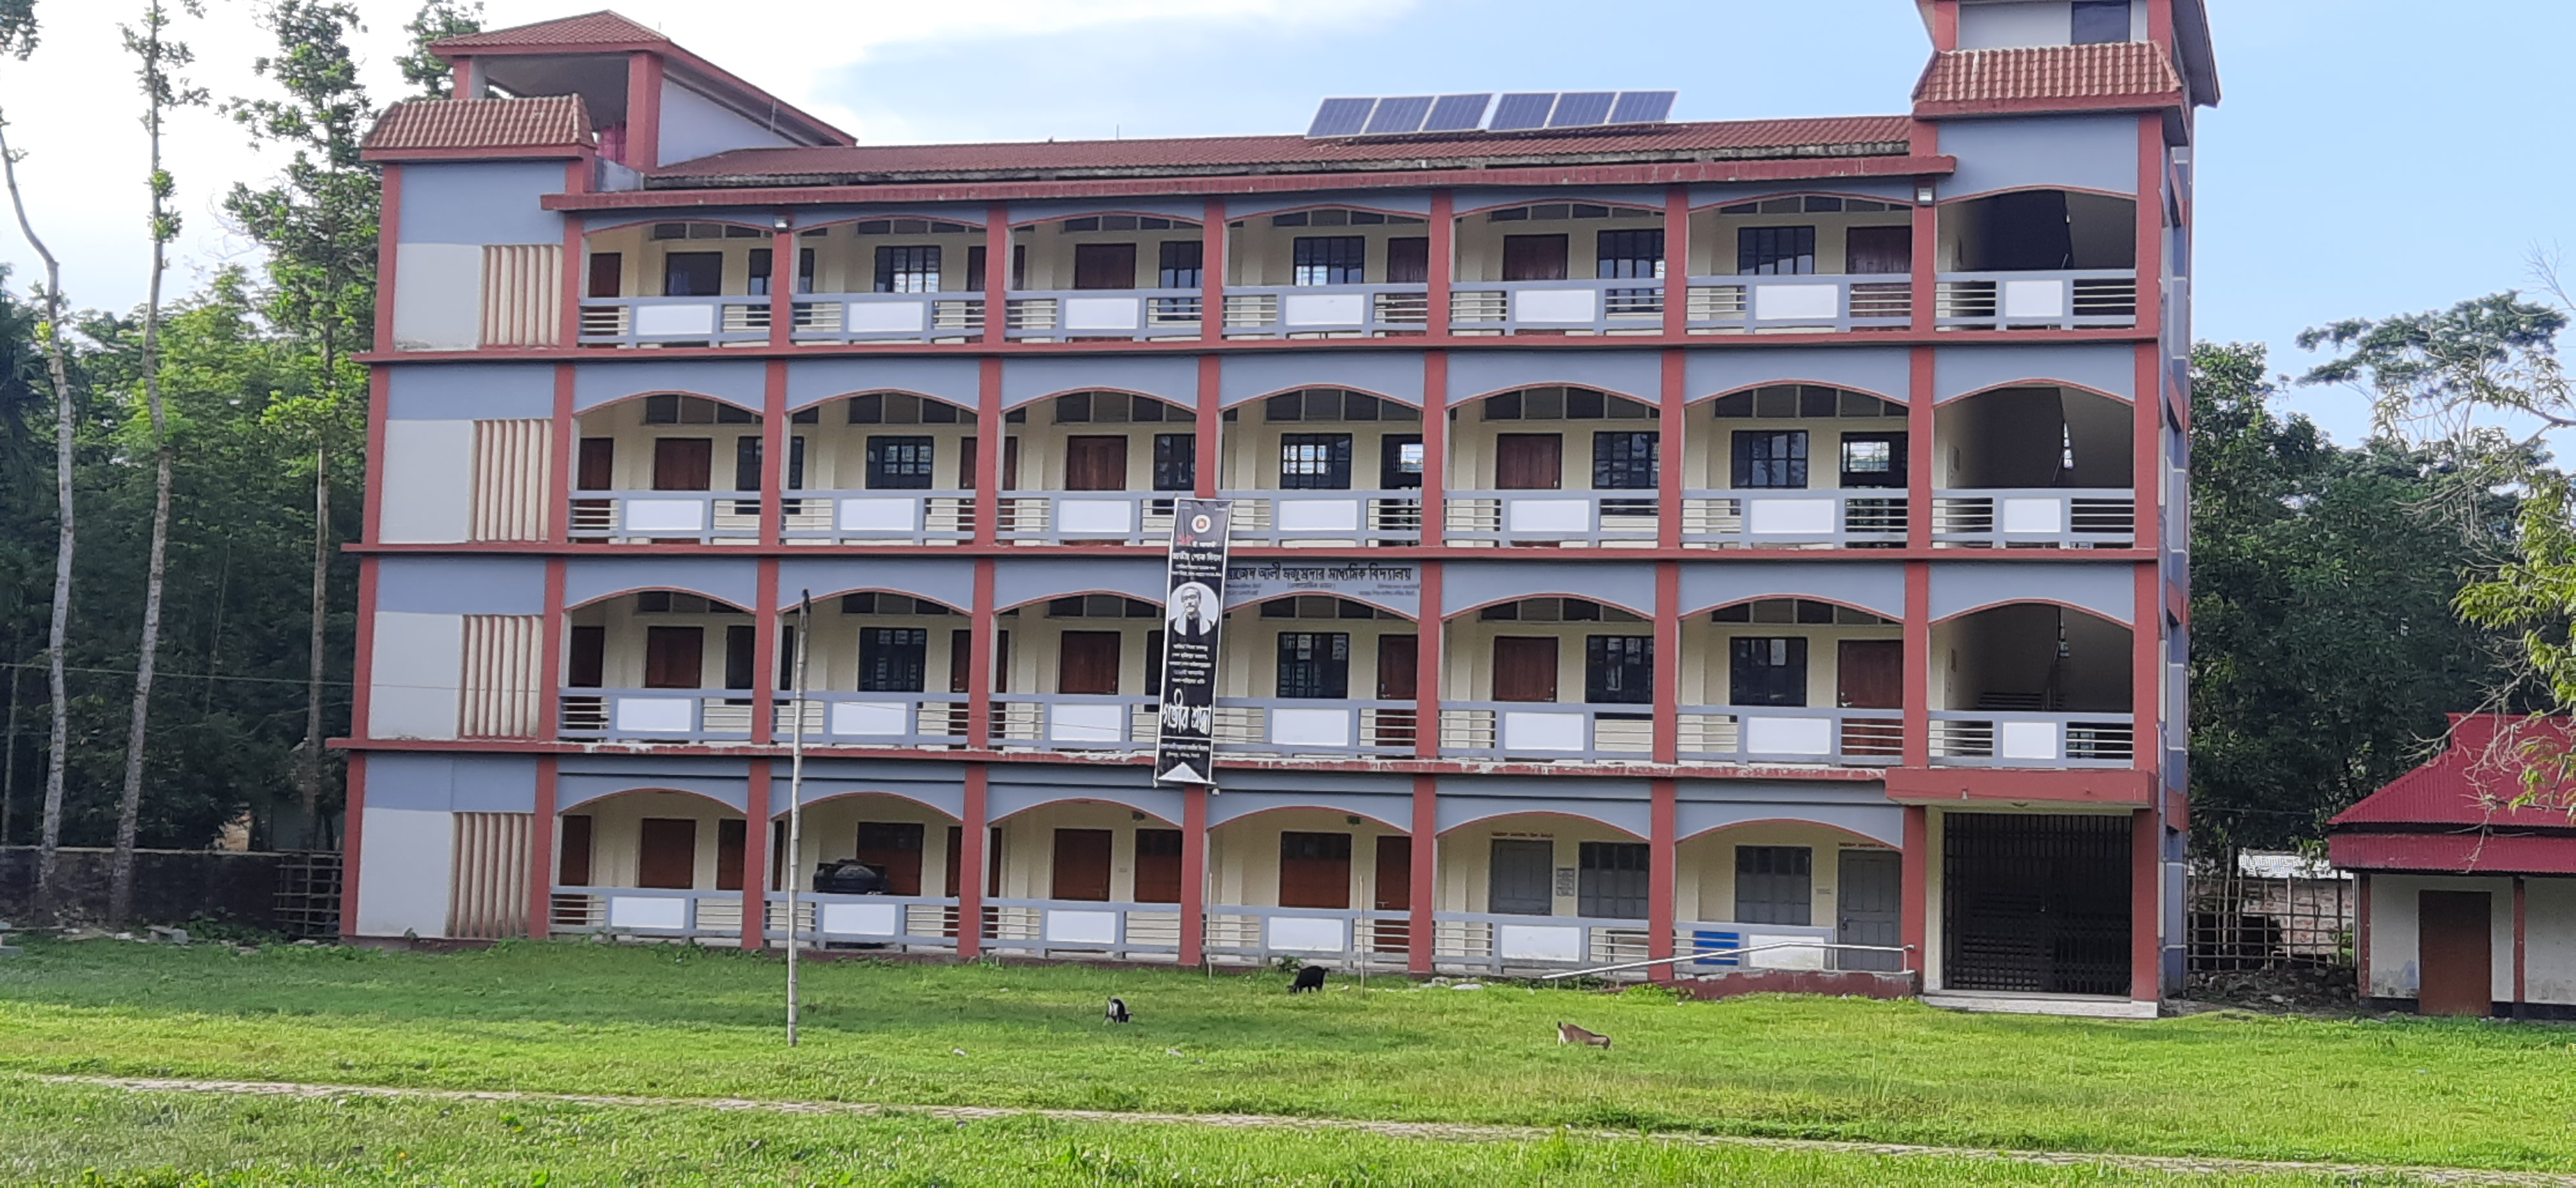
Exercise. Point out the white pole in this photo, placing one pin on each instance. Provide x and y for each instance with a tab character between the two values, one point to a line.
796	802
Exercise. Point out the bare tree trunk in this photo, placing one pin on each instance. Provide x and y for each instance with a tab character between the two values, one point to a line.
9	762
312	774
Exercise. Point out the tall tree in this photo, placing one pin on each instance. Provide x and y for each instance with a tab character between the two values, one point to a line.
318	223
157	56
436	21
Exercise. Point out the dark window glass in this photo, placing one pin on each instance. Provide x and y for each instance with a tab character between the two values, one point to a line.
1153	664
1775	251
898	463
1611	880
746	464
796	464
1873	460
1767	670
2101	21
1314	664
692	274
1619	669
1315	462
1331	260
1399	462
1624	460
1770	458
893	659
1176	461
908	268
1774	885
1180	264
1631	255
738	656
760	272
975	258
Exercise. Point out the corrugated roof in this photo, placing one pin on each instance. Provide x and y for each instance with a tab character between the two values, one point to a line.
2474	781
554	121
589	28
1847	136
2114	70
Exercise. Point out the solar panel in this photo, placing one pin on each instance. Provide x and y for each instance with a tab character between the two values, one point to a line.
1341	117
1398	115
1643	107
1459	113
1582	109
1522	111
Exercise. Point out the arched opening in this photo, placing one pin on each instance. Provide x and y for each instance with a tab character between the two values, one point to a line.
1548	678
1117	459
1746	258
1792	680
2039	259
882	670
677	284
659	665
1316	675
1768	885
872	870
650	862
887	466
2037	466
1553	465
1106	276
1797	466
1320	884
1505	898
2032	684
1324	467
1077	672
667	468
1559	268
1327	272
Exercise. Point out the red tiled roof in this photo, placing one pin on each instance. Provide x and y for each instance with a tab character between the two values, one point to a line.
590	28
2116	70
554	121
2474	781
1839	137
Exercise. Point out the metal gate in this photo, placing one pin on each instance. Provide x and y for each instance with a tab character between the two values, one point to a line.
2035	903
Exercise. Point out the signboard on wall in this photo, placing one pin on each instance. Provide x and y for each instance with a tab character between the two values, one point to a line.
1193	614
1396	585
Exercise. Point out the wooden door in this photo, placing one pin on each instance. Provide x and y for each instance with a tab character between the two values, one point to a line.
2455	946
1082	865
683	463
956	861
893	849
1158	866
607	274
1521	878
1879	251
1408	260
1010	464
731	836
1870	674
572	863
1529	461
1524	668
674	657
587	662
1315	870
1104	266
1399	671
1095	463
1087	662
667	853
598	469
1871	891
1393	891
1534	257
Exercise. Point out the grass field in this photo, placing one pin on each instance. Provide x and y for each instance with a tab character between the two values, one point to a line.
670	1022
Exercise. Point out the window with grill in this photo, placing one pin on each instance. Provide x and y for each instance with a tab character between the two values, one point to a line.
1873	460
1176	461
1619	669
1315	462
908	269
1314	664
893	659
1631	255
1770	458
1775	251
1767	670
1774	885
1624	460
1331	259
1181	264
898	463
1610	881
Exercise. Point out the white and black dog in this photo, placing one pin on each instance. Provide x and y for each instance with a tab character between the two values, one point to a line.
1118	1011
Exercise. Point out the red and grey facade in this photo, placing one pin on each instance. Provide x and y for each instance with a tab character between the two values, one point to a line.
1650	541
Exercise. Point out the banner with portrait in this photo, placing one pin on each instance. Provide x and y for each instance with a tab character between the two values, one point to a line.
1193	615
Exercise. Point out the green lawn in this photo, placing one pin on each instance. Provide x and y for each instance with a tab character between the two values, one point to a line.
666	1021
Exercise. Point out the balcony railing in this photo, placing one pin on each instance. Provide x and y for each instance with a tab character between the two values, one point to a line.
905	920
2036	300
646	911
1627	518
1293	726
653	321
2062	518
704	517
1781	734
879	719
1558	306
1792	519
1293	311
1045	927
889	317
1139	314
656	715
1345	937
1350	518
1786	304
1546	730
1495	942
1085	517
1717	943
879	517
1995	738
1073	722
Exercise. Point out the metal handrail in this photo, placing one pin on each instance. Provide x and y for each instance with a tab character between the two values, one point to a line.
1730	954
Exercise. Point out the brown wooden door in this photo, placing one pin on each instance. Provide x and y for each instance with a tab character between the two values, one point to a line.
1082	865
683	463
2455	946
1398	674
1879	251
667	853
1087	662
1408	260
1104	266
1393	892
893	849
731	836
1093	463
587	662
1010	464
598	469
956	863
1870	674
1524	668
1315	870
572	864
674	657
607	274
1158	866
1534	257
1529	461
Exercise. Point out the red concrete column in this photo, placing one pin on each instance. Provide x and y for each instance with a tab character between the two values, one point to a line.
388	239
567	434
1426	874
1924	139
972	830
550	657
2361	939
773	452
1921	415
1663	870
1916	911
1945	25
979	658
2147	668
1194	839
1212	272
379	412
2151	224
782	286
1444	265
2146	915
541	850
576	259
1435	444
1676	270
643	111
1430	634
1918	664
997	273
755	857
1211	420
1668	662
766	620
462	84
362	681
352	819
989	428
1672	446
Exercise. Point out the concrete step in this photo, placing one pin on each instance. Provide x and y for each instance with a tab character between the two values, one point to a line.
2008	1002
